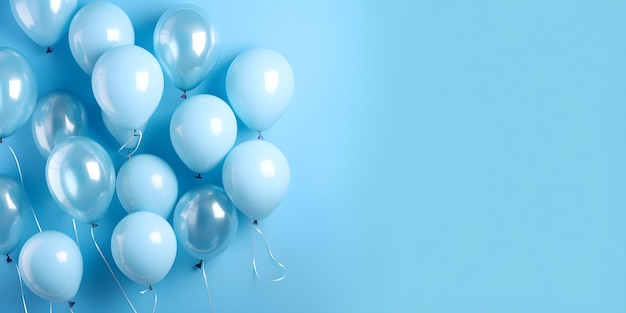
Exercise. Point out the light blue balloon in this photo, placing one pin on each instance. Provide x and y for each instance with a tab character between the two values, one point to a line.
143	245
186	44
18	91
13	206
205	221
203	129
256	177
97	27
81	178
259	85
51	266
127	82
147	183
123	136
44	21
58	115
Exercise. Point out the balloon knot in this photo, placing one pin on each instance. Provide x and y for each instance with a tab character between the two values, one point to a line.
255	222
184	95
0	140
9	260
150	287
260	136
94	225
199	265
49	50
199	176
71	303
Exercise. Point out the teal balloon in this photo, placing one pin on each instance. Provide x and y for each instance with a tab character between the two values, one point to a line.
96	28
18	91
58	115
259	85
81	178
13	206
186	44
205	221
127	83
203	129
147	183
256	177
51	266
122	135
44	21
143	245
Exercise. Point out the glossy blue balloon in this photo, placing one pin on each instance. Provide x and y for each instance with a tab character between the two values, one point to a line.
58	115
186	44
143	245
51	266
122	135
147	183
127	82
13	206
203	129
44	21
259	85
205	221
97	27
81	178
18	91
256	177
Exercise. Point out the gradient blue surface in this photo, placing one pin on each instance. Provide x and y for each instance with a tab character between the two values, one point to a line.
446	156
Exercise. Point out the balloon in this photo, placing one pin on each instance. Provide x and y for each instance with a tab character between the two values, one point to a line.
143	246
186	45
58	115
259	85
123	136
202	130
51	266
256	177
127	82
205	221
146	183
18	91
81	178
97	27
13	206
44	21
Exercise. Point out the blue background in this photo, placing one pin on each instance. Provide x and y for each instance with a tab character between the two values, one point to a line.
446	156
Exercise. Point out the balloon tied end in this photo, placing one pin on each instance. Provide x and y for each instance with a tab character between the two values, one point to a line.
255	222
260	137
9	260
199	265
150	287
49	50
199	176
0	139
94	225
184	95
71	304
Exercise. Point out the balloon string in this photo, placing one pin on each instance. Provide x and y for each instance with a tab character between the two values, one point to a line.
19	276
206	284
110	269
136	133
75	232
155	296
269	251
50	306
19	170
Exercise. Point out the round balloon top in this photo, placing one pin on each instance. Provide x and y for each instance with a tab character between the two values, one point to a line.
18	91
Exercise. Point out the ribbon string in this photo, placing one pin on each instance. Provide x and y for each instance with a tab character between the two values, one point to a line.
19	276
206	285
136	133
75	232
150	288
19	170
269	251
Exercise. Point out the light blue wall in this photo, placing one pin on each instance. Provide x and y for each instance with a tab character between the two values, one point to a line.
446	156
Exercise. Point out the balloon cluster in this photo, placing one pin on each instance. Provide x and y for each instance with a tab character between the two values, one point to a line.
127	83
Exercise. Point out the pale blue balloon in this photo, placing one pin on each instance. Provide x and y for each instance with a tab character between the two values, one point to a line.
205	221
18	91
256	177
13	206
58	115
186	44
143	245
147	183
259	85
203	129
44	21
81	178
127	83
123	136
51	266
95	28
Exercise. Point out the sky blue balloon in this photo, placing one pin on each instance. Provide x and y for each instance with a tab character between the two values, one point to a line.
147	183
51	266
122	135
59	114
127	82
13	206
81	178
259	85
44	21
18	91
186	44
256	177
205	221
143	245
203	129
95	28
